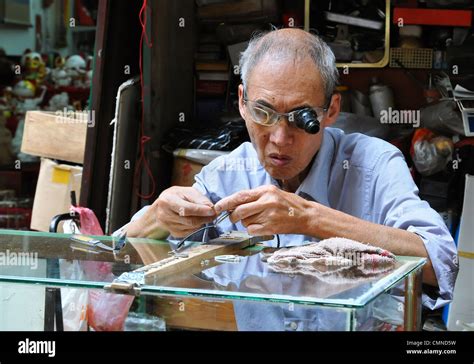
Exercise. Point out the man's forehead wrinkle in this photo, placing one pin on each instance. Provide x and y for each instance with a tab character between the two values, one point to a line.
259	82
279	100
289	66
271	94
291	60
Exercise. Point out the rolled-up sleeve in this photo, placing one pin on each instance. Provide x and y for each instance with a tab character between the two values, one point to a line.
394	202
206	177
136	216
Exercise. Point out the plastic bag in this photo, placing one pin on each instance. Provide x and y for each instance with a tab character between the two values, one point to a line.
74	301
225	137
89	223
105	311
430	153
443	117
108	311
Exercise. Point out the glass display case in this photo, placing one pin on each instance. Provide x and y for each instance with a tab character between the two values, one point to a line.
52	281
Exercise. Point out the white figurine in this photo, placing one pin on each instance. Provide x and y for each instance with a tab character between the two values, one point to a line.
75	67
59	102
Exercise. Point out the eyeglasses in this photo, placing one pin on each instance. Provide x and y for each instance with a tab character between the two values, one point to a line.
266	116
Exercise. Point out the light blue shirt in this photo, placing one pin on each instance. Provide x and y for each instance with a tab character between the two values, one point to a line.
363	176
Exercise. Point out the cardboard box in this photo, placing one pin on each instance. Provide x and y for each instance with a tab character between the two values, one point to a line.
52	197
189	162
184	171
57	135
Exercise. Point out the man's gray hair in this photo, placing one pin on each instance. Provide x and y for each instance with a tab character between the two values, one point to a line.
283	46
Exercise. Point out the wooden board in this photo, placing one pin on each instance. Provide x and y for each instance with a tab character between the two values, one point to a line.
195	314
53	136
198	258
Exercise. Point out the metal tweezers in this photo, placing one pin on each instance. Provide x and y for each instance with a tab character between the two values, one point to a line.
213	225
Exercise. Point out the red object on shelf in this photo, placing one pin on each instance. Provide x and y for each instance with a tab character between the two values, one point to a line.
292	19
75	94
83	14
458	18
211	88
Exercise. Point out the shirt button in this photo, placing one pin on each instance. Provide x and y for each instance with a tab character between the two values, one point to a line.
293	325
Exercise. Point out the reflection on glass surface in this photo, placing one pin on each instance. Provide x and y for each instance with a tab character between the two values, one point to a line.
65	264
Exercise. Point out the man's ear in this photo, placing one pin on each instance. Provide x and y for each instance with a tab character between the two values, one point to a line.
333	111
241	101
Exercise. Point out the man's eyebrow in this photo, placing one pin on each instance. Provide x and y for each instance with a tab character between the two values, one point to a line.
304	106
267	104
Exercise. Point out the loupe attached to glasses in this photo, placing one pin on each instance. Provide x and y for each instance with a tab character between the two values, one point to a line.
307	119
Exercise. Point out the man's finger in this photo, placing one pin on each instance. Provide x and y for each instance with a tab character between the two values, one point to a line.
193	195
193	221
186	208
174	218
177	231
247	210
239	198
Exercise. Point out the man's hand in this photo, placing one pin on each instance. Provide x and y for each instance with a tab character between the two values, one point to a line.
267	210
181	210
178	210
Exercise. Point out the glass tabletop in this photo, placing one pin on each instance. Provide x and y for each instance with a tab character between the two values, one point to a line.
52	259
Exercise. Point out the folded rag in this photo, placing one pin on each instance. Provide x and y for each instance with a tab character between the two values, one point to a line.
335	259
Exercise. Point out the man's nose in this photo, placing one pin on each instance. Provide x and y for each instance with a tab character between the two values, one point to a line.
281	133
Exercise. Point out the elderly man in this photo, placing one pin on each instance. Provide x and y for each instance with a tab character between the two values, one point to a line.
303	183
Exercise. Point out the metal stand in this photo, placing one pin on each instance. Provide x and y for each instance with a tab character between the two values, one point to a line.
53	310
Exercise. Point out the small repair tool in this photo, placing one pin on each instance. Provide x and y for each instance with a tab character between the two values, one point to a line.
226	248
120	242
213	225
89	243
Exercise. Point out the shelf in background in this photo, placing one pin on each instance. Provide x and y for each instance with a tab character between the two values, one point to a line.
440	17
83	28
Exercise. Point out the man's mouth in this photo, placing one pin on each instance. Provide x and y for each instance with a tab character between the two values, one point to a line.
279	159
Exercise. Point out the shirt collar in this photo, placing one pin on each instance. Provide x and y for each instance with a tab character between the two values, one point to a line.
316	182
315	185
